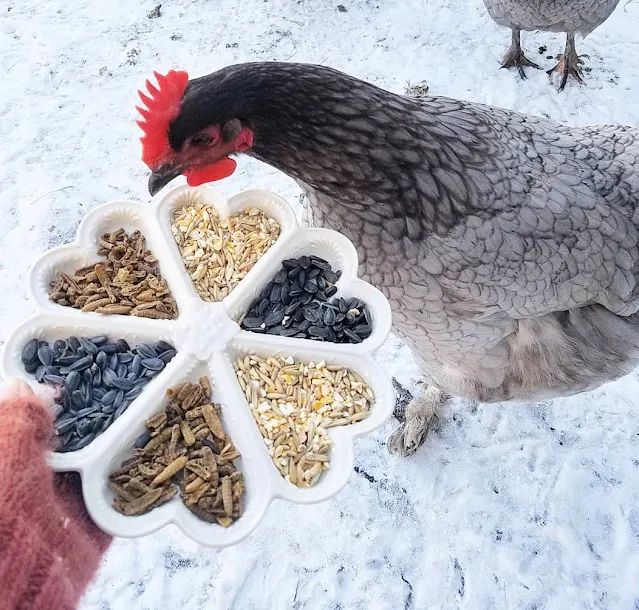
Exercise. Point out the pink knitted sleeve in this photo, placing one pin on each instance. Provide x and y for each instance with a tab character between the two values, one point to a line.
49	547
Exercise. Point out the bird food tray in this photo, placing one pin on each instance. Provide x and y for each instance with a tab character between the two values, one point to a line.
205	339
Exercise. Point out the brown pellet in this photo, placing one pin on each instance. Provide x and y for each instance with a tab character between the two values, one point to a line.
126	282
188	450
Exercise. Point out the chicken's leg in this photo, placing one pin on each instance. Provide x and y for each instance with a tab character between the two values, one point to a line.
515	57
569	63
420	415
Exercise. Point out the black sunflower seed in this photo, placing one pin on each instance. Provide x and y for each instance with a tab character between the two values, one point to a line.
119	399
275	294
84	412
81	364
352	336
122	384
273	318
142	440
73	381
133	393
108	376
329	316
106	423
291	302
30	351
32	367
121	409
320	263
310	286
45	355
122	345
162	346
155	364
310	314
109	397
73	343
68	360
167	356
63	425
146	351
54	379
136	365
364	330
263	307
88	346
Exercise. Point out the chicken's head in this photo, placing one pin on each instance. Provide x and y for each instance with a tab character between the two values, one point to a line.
190	143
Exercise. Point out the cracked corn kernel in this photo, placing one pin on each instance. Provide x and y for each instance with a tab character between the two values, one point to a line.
218	253
294	423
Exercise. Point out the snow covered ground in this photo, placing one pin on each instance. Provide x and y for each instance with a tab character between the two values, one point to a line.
505	507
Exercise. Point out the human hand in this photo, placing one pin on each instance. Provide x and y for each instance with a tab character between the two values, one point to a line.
49	546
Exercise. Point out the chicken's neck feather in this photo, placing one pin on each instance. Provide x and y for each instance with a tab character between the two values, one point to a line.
403	162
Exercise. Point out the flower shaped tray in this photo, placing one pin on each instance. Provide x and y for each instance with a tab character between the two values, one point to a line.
208	340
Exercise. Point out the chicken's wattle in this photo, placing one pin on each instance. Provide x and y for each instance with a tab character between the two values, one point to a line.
216	171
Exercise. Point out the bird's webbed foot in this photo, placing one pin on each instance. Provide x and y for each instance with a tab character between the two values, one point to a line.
569	64
515	57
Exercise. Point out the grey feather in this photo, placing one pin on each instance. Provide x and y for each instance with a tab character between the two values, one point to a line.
581	16
509	251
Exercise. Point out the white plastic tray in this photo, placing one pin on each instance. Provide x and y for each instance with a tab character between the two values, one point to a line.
208	341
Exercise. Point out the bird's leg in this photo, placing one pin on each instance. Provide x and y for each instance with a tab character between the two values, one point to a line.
402	400
420	414
569	63
515	57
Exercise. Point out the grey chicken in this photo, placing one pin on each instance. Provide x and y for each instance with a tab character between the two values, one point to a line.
506	244
570	16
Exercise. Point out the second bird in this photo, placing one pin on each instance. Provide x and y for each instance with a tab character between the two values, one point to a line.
569	16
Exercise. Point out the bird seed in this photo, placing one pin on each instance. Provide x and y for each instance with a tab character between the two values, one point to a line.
127	282
185	448
96	381
219	253
295	403
299	302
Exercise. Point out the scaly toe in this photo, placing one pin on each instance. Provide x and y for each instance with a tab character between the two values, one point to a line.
408	437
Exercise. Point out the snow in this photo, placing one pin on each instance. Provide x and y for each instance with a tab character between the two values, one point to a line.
535	506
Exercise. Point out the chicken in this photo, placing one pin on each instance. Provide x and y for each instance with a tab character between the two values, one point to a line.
506	244
568	16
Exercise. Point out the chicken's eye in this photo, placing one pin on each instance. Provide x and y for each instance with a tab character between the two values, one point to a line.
201	139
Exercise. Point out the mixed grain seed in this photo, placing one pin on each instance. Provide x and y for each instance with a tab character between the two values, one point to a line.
219	253
295	403
297	303
184	447
127	282
97	380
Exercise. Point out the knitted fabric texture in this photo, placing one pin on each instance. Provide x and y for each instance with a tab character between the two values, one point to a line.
49	547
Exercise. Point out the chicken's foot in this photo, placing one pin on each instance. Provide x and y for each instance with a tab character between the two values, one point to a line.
515	57
420	415
402	400
569	63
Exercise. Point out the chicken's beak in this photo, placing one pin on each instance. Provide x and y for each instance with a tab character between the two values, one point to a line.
162	176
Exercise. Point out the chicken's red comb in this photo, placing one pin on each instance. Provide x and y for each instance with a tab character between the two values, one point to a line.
162	106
